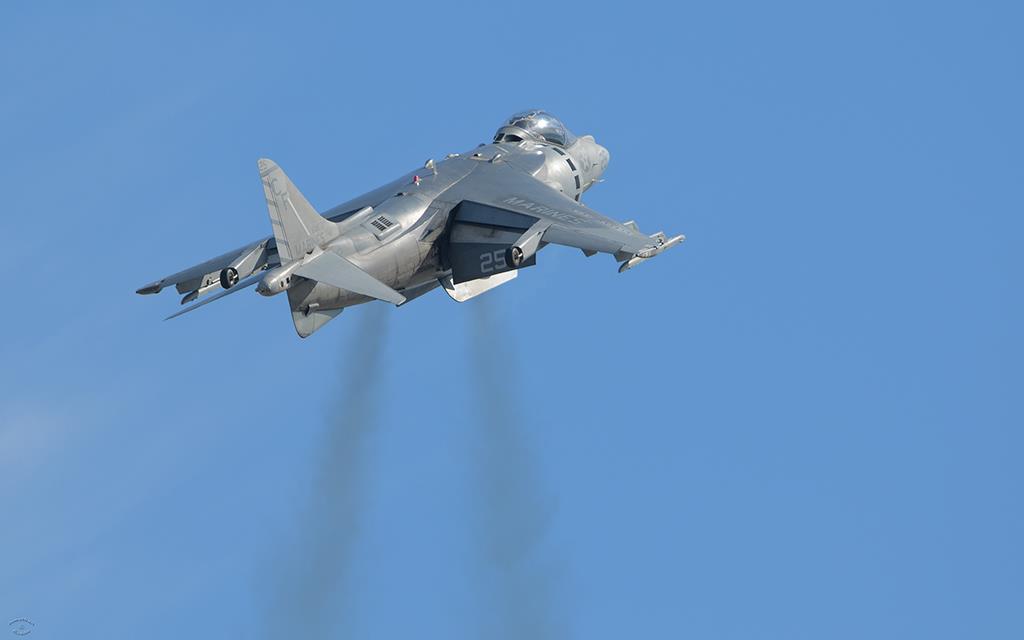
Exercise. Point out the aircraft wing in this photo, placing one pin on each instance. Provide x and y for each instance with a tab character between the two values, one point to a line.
203	278
505	208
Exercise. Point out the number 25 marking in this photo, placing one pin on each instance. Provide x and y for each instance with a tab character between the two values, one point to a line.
492	260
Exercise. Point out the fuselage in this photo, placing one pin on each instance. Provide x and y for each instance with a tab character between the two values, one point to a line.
467	223
392	232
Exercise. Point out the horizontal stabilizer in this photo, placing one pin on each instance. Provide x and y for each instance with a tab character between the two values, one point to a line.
332	269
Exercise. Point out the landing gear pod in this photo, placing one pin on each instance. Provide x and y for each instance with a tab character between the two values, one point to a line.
228	277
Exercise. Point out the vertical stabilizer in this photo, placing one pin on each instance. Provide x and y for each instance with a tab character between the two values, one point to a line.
298	228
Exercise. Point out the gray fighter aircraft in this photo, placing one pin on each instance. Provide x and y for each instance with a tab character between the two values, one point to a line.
467	224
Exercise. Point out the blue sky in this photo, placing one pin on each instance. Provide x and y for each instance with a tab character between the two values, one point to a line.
805	422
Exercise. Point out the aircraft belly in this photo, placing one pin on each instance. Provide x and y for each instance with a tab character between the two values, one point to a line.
310	293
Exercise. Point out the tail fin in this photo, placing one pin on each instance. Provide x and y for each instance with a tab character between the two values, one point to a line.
297	226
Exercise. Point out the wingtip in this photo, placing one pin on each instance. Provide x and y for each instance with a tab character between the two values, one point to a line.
649	253
151	288
266	165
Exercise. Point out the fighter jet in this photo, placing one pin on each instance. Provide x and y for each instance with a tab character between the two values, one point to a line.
467	223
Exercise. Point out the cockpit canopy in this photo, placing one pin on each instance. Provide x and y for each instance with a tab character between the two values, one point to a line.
536	125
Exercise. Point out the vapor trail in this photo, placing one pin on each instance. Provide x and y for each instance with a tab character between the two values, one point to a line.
316	577
514	510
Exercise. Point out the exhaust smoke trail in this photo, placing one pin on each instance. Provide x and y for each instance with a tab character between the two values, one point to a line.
316	579
515	509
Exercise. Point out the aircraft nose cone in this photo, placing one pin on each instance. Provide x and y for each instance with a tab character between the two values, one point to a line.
598	157
603	157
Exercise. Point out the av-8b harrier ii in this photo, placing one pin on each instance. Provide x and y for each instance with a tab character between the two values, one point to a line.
467	223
